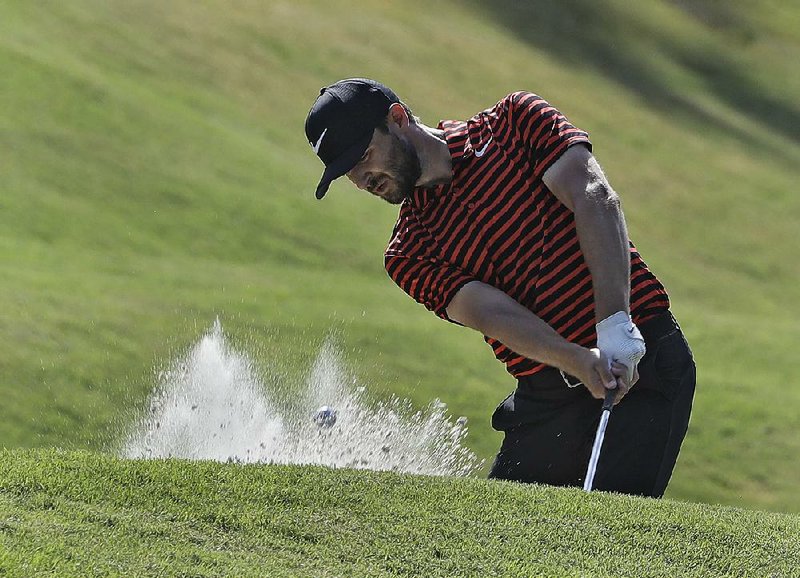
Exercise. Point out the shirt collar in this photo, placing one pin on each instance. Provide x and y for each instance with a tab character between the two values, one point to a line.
455	137
455	134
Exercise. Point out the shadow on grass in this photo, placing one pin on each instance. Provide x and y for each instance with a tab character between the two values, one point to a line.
620	44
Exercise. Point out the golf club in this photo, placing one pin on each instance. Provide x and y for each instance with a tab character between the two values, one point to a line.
608	405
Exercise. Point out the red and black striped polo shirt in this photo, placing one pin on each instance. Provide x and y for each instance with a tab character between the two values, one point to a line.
497	222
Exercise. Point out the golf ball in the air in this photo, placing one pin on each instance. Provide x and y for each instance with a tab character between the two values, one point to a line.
325	417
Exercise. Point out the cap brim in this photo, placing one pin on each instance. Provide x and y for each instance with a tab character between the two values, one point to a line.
342	165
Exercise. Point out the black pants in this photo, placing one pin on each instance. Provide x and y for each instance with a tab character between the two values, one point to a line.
549	427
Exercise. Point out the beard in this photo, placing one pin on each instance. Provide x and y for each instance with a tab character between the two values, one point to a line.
405	170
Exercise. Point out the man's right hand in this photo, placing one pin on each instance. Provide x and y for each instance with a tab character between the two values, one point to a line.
598	374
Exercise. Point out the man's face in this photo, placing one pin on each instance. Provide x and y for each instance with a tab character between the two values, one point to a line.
389	169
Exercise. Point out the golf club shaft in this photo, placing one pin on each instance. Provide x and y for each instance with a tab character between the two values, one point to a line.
608	404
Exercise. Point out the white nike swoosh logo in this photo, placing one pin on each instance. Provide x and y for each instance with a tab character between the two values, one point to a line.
319	141
479	152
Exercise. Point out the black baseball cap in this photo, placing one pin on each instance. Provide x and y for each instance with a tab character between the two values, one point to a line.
340	125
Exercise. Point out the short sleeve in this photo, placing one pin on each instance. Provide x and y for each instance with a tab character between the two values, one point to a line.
429	282
413	266
542	129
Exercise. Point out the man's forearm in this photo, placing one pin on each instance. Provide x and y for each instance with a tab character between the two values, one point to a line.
603	238
494	313
604	242
578	181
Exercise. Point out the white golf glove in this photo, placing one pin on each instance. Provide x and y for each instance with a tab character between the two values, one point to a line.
620	340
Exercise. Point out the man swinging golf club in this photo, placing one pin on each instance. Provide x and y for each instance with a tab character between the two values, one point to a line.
508	225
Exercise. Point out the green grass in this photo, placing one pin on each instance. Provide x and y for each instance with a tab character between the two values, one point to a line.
155	175
86	514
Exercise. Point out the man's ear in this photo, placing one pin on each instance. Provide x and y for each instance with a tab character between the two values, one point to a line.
397	115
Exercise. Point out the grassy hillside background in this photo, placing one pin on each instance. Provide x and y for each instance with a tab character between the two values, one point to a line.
155	175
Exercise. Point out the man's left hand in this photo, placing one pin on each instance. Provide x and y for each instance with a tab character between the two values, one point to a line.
620	340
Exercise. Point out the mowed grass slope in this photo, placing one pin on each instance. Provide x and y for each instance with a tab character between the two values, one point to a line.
155	175
85	514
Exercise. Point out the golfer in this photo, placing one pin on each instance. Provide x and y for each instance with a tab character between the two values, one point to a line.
508	226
